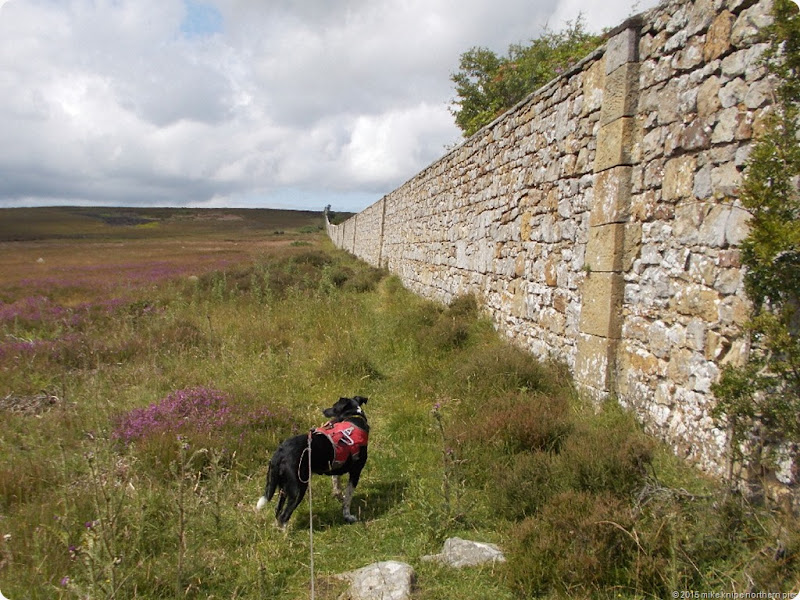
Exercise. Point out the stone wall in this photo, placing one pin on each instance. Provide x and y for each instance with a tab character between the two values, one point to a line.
597	221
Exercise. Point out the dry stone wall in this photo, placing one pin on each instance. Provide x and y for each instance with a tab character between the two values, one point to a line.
597	221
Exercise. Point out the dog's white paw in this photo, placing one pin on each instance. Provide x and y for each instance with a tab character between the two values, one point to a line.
262	502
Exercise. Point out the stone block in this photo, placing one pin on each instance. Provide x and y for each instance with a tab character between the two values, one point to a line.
615	144
678	178
551	270
632	245
679	368
734	311
749	25
593	86
634	363
612	196
594	362
696	136
605	247
621	93
737	227
726	179
689	57
601	305
622	48
694	301
708	101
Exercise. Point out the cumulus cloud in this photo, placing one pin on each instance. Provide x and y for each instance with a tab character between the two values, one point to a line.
240	102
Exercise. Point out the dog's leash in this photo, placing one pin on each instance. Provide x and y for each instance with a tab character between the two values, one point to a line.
310	516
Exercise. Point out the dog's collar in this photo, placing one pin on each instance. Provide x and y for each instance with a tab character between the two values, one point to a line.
350	418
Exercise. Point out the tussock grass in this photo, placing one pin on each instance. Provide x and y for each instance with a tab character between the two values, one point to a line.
137	433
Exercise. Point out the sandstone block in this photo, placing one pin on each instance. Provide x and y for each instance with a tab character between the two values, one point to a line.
551	270
593	85
734	65
718	38
679	368
702	269
734	311
726	179
554	321
693	301
733	93
696	136
736	355
622	48
612	196
621	93
701	16
696	335
637	362
600	309
644	206
614	144
708	101
561	301
712	228
632	245
605	247
658	339
759	94
678	178
702	183
594	362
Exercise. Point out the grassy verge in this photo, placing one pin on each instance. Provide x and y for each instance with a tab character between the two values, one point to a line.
137	428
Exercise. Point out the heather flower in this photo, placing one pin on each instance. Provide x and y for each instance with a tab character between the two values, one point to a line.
197	409
16	348
30	309
197	417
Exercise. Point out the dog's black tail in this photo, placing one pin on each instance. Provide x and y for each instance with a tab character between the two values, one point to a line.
269	490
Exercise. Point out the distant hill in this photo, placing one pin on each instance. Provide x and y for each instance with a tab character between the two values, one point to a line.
25	224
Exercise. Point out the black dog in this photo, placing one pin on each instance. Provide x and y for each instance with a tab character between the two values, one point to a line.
338	447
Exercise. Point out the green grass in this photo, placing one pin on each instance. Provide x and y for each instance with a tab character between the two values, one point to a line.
471	437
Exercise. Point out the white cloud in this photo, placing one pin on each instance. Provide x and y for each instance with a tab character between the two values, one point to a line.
391	146
239	101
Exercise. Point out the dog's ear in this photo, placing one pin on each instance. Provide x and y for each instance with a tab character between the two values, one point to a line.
360	399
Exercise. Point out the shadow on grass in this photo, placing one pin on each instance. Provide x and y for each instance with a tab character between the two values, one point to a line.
370	502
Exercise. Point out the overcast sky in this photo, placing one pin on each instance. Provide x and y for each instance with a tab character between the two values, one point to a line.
242	103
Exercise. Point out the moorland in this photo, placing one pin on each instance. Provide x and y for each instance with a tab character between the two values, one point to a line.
152	359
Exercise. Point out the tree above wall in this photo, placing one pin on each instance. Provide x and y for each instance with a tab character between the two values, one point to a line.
487	85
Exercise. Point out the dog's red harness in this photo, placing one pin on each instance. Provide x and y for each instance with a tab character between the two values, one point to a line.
347	440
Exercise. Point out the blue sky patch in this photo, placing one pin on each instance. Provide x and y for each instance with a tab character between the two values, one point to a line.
201	19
